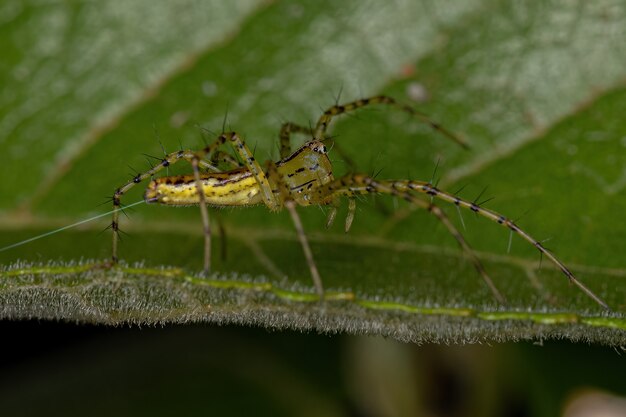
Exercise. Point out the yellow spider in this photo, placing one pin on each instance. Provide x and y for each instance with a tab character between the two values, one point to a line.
304	178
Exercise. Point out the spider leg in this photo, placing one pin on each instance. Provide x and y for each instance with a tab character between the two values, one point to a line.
196	159
426	188
352	185
362	182
308	254
290	205
269	199
168	160
336	110
222	232
216	157
250	163
223	157
220	156
285	136
206	225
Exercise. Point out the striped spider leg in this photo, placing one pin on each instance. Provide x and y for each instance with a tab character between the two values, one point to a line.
355	184
404	188
319	133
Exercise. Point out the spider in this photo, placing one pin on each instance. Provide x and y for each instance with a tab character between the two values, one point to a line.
304	177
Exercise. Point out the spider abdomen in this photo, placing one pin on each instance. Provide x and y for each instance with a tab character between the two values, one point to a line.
223	189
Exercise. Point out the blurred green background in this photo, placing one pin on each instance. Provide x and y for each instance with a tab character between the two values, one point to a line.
536	88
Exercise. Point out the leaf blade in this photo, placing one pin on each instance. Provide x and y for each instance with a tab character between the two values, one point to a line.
474	89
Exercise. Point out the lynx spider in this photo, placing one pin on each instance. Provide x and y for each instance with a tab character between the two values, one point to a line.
303	178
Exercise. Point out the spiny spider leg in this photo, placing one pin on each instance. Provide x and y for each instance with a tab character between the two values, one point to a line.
168	160
217	157
196	159
251	164
285	136
290	204
252	167
223	157
364	184
334	111
352	185
308	254
220	156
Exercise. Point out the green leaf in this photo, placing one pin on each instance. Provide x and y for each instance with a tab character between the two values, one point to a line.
537	89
